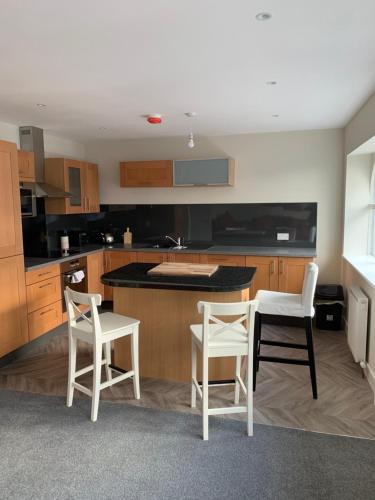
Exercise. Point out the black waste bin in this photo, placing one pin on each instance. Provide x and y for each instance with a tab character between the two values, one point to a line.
329	301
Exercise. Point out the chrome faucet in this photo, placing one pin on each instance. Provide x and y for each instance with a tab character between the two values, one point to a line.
177	242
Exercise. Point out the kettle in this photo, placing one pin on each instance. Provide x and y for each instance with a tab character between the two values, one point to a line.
107	238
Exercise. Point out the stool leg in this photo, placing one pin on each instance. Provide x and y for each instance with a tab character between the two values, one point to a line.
193	374
310	350
249	394
205	396
72	369
237	384
259	338
135	363
96	381
257	333
107	355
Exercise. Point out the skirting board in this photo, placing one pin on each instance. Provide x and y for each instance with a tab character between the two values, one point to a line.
370	375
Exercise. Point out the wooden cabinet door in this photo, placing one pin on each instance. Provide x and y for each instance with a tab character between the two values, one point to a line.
267	273
13	313
223	260
91	194
10	208
291	273
45	319
43	293
189	258
152	257
114	260
95	269
146	173
26	166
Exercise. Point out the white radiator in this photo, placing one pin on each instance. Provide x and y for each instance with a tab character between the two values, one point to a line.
357	323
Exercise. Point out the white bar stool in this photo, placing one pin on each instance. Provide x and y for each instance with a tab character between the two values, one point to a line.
98	330
290	306
215	338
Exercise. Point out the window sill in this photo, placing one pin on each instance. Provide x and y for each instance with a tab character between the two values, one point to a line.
364	265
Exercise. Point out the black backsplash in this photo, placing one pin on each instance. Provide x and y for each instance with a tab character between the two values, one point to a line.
252	224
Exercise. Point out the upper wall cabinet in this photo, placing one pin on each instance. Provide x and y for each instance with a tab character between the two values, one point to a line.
10	209
146	173
210	172
79	178
165	173
26	166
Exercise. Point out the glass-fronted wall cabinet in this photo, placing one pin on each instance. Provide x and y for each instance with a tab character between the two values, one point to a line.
78	178
206	172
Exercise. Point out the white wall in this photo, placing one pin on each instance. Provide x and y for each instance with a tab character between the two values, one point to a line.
359	130
275	167
53	145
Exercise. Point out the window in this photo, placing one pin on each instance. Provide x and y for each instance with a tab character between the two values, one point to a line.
372	213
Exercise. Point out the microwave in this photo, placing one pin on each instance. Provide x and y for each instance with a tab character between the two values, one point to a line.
28	201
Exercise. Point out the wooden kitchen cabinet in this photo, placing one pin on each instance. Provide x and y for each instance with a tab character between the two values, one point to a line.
26	166
151	257
10	208
114	260
43	273
43	293
78	178
45	319
146	173
223	260
291	273
95	269
267	273
13	312
189	258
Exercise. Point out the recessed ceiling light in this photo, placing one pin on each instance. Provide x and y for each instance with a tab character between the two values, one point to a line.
40	105
263	16
272	82
275	116
191	114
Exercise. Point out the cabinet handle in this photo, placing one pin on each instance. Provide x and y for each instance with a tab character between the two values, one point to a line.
45	312
43	286
272	266
43	274
282	267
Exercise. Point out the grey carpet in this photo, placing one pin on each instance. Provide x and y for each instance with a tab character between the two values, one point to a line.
49	451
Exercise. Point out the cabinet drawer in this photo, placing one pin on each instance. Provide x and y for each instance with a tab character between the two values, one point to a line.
152	257
42	274
223	260
45	319
193	258
43	293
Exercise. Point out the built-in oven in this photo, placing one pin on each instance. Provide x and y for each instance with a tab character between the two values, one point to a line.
28	201
74	275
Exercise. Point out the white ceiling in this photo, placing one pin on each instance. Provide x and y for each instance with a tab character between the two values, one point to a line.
105	63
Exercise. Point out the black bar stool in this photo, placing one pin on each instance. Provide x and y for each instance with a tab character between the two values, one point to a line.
296	310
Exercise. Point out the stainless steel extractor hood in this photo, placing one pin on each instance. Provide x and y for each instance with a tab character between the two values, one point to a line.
31	139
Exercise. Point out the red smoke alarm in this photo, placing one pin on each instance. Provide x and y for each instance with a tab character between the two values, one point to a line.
154	119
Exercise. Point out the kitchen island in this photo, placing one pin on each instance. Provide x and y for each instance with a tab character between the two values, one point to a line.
166	307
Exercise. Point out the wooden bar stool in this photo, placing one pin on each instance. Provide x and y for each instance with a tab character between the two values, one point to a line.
289	306
99	330
215	338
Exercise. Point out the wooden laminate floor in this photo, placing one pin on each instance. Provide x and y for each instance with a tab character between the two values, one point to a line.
283	397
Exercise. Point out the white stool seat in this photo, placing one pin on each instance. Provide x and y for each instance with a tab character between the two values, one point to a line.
110	323
283	304
234	339
98	330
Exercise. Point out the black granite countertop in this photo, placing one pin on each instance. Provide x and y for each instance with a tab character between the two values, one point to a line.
38	262
225	279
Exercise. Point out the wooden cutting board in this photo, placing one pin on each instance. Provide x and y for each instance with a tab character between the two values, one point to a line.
183	269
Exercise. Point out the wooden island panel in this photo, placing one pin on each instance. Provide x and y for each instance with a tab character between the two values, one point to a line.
164	333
